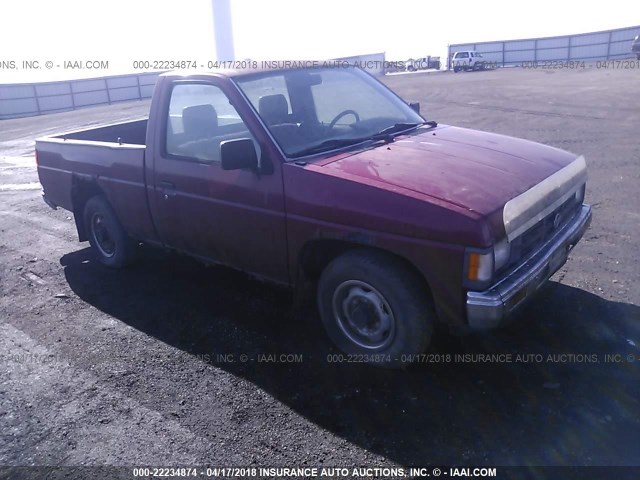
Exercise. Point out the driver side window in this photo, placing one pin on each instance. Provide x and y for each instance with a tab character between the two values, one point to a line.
200	118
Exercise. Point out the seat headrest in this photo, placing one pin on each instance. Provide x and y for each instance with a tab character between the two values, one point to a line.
199	121
274	109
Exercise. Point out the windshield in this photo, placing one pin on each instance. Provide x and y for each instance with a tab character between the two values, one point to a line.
313	110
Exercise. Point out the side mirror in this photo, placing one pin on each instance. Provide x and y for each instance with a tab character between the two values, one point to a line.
238	154
415	106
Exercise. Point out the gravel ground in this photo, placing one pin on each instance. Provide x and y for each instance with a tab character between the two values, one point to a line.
134	367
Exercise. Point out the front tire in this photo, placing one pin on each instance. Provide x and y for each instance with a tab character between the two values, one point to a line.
109	241
374	307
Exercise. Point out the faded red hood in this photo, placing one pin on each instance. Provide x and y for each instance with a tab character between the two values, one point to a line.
476	170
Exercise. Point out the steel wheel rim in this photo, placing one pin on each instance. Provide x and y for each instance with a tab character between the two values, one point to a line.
101	236
363	315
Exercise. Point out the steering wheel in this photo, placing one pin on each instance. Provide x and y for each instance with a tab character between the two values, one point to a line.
343	114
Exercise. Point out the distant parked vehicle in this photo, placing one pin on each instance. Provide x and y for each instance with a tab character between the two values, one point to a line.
423	63
469	60
635	46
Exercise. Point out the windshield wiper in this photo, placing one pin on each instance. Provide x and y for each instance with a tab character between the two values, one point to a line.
396	128
385	135
328	144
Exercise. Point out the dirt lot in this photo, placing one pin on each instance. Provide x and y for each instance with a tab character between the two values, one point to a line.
101	367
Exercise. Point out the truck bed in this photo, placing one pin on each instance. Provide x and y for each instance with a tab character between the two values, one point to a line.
133	132
111	157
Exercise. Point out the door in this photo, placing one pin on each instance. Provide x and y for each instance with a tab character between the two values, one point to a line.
472	59
233	217
462	59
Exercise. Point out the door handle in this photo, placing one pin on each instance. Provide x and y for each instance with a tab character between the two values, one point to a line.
169	189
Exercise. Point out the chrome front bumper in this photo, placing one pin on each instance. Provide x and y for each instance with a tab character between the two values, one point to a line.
487	309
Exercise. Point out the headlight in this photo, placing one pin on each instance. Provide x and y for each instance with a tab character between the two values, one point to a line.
481	265
501	253
478	268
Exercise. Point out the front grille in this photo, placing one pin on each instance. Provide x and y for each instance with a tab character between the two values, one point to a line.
543	231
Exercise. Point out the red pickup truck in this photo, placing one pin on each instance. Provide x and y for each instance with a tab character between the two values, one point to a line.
323	176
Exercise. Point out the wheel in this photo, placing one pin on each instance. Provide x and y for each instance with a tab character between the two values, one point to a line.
371	305
111	244
456	69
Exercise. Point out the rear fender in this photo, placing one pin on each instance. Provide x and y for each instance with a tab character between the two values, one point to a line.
82	189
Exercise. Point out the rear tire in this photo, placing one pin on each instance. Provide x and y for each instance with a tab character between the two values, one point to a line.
373	307
109	241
